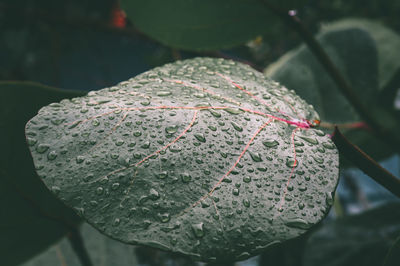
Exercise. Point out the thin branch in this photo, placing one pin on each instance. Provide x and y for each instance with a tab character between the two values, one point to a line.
368	165
378	127
76	241
352	125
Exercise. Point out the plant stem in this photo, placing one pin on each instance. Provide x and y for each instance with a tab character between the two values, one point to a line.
379	129
76	241
368	165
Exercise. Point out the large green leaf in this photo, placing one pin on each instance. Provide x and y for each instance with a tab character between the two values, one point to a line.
366	55
363	239
102	250
202	25
386	44
196	157
31	217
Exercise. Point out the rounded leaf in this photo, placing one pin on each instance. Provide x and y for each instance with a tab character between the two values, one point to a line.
360	50
207	24
204	157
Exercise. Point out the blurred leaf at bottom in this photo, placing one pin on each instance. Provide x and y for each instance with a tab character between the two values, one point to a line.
102	250
364	239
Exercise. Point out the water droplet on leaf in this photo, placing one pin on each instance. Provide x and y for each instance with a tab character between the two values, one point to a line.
255	156
99	191
297	223
164	217
164	93
153	194
52	155
42	148
237	126
171	129
246	179
80	159
31	141
186	177
115	186
246	202
310	140
270	143
290	162
328	145
198	230
200	137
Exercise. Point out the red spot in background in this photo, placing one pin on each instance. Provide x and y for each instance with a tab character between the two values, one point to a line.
118	17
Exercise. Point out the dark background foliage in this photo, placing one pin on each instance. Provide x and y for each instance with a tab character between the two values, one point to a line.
87	45
75	45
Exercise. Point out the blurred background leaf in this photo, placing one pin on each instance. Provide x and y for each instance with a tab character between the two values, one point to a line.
103	251
366	54
72	44
76	44
199	25
32	218
363	239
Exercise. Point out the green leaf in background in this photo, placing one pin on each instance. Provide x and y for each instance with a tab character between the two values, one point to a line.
202	25
103	251
386	44
363	239
31	217
198	25
367	56
204	157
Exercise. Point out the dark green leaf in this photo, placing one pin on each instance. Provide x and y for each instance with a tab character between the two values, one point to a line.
367	56
200	25
362	239
31	217
195	157
385	41
102	250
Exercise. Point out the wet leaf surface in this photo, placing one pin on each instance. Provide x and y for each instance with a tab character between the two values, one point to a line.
204	157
